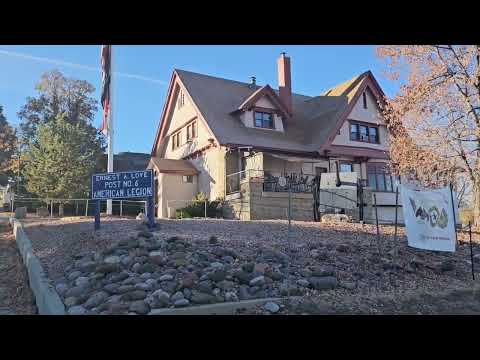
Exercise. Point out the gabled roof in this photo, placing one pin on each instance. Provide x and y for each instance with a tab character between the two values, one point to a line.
311	125
172	166
261	92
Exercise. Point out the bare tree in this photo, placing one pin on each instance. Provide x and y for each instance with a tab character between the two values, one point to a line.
435	119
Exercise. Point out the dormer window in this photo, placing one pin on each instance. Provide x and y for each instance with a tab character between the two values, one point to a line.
264	120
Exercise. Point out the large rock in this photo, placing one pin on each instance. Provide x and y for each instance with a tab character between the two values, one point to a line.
139	307
107	268
202	298
77	310
322	271
323	283
112	259
189	280
61	289
73	275
271	307
134	295
96	299
258	281
161	297
243	277
217	275
75	291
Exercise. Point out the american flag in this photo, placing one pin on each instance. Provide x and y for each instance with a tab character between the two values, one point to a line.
105	99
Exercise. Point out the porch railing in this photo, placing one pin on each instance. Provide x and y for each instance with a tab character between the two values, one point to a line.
297	182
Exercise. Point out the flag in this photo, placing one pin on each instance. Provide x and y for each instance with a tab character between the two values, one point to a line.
106	53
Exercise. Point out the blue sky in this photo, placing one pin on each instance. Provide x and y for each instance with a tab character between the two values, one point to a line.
145	71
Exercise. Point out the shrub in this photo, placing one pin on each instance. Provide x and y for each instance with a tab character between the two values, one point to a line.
197	208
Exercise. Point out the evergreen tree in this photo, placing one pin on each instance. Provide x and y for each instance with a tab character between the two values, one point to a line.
59	163
8	147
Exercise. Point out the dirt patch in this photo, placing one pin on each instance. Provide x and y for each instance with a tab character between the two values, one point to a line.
342	267
16	298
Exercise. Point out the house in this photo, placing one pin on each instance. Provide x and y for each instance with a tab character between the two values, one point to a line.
231	140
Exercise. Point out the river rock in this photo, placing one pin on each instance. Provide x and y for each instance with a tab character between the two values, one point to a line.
107	268
189	280
112	259
139	307
303	282
111	288
74	275
134	295
166	277
77	310
162	297
202	298
96	299
258	281
243	277
75	291
323	283
181	303
271	307
231	296
82	281
217	275
178	295
61	289
322	271
145	234
71	301
248	267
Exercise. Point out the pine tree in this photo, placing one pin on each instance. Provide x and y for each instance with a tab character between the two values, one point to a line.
8	147
59	163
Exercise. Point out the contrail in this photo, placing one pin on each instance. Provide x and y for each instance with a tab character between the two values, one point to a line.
78	66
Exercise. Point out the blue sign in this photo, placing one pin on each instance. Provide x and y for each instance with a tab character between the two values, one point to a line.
122	185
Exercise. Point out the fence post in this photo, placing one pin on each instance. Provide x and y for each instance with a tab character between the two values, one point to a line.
86	209
205	208
12	201
51	208
146	208
121	208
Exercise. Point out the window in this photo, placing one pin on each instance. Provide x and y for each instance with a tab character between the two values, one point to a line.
364	133
264	120
364	95
176	140
188	178
378	178
192	131
354	132
346	167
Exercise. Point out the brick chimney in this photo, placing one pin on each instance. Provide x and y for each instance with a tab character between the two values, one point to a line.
285	81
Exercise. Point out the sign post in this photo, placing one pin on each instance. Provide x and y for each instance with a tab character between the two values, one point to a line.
97	214
124	185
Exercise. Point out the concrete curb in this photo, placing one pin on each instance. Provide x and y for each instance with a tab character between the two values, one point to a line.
47	300
227	308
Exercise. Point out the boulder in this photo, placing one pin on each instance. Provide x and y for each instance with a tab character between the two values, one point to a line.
271	307
139	307
323	283
202	298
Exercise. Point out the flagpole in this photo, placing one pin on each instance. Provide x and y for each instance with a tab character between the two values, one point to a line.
110	125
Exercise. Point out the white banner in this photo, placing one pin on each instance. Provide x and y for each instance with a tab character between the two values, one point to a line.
429	218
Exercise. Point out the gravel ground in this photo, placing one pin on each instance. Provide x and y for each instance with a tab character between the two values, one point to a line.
16	297
365	275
